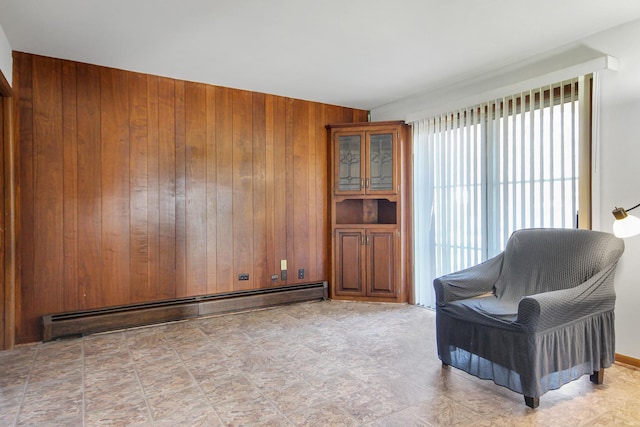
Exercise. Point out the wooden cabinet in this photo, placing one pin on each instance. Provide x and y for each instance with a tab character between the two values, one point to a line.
349	263
365	262
369	211
365	162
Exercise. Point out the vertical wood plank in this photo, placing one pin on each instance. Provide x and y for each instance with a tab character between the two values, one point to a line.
334	114
72	300
242	189
181	219
115	146
153	191
289	145
358	115
167	188
140	286
312	208
5	214
89	187
196	188
211	191
48	188
322	229
10	212
270	188
260	267
280	181
23	82
224	179
280	124
300	188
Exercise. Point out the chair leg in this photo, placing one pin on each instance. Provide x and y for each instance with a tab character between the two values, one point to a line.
597	377
532	402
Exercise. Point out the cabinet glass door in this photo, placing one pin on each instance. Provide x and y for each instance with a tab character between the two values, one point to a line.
349	162
381	162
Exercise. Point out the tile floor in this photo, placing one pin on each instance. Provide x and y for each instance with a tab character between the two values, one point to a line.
312	364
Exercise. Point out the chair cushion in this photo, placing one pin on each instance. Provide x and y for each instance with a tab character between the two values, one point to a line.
488	311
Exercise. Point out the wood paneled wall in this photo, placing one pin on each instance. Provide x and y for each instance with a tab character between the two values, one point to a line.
138	188
7	218
3	187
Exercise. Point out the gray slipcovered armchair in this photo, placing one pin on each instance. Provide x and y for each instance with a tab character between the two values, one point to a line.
536	316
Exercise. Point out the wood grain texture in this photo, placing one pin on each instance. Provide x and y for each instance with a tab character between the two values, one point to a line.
139	188
242	202
261	269
278	134
195	188
4	283
23	76
115	184
299	258
9	212
211	189
166	189
627	360
48	185
181	188
151	288
224	190
289	183
70	184
89	187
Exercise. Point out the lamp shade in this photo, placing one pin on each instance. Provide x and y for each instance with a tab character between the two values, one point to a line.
627	226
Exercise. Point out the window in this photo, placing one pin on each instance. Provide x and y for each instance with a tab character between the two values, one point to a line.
485	171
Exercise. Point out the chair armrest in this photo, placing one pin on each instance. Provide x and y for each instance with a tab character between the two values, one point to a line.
543	311
468	283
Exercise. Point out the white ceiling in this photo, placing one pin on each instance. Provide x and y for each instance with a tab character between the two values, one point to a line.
357	53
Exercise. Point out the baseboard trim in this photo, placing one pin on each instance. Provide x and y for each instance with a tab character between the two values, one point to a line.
627	360
79	323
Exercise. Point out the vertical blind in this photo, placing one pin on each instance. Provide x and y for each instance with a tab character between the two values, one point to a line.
482	172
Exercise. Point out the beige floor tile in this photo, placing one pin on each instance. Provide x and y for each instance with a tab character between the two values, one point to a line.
156	379
53	389
326	414
226	386
105	395
63	410
183	407
296	396
122	412
404	418
246	411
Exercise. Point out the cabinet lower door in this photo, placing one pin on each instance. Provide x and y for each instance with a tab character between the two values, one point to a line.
381	263
349	263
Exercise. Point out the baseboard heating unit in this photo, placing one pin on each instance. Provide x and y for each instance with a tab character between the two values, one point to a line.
79	323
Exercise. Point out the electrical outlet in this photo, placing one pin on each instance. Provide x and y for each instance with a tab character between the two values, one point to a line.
283	275
243	276
301	273
274	278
